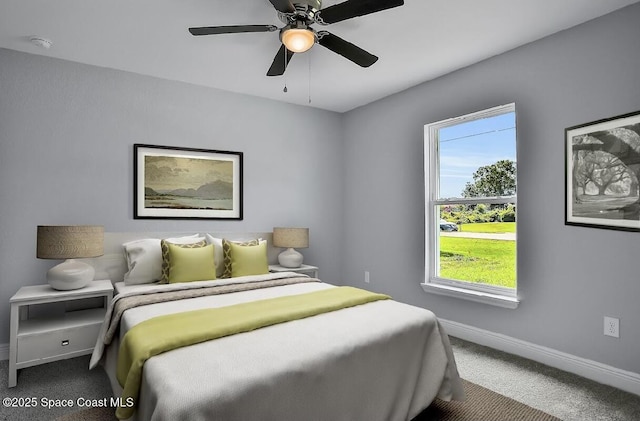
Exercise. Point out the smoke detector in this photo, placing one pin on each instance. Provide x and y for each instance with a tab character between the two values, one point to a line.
41	42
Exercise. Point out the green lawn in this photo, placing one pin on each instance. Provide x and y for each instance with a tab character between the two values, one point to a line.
479	260
494	227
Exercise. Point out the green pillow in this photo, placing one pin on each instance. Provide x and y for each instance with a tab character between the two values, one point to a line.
191	264
249	260
164	248
226	252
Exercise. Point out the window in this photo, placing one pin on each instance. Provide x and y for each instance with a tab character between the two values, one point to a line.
470	207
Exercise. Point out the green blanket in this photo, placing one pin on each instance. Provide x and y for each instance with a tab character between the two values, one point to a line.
164	333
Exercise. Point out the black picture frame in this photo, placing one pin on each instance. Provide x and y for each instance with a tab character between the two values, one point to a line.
602	173
186	183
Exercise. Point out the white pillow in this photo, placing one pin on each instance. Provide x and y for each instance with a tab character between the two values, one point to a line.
218	255
144	258
188	239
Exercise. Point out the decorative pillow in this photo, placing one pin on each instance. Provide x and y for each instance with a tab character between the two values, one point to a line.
217	252
248	260
144	261
191	264
226	250
164	247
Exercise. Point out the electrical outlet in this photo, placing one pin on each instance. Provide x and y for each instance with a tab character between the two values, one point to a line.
366	276
611	326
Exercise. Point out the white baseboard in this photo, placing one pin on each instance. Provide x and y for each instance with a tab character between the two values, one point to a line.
4	352
601	373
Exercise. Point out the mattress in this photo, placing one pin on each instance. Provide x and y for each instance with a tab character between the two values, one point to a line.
383	360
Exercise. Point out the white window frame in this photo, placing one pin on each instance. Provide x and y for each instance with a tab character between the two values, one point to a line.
483	293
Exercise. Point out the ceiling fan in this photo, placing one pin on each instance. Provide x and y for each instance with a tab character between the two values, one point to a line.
297	36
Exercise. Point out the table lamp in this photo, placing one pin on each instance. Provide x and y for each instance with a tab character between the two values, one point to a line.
290	238
70	242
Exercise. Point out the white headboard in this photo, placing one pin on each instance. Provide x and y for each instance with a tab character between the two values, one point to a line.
113	264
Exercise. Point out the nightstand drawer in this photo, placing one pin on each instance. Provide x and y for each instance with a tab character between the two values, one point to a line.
49	345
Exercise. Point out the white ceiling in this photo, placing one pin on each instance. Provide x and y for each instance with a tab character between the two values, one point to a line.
416	42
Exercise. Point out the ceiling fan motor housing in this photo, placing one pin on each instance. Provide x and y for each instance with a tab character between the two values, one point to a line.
296	25
305	10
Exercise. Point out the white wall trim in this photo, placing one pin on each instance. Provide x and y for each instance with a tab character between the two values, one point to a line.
471	295
593	370
4	352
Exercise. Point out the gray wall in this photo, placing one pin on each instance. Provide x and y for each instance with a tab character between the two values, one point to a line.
66	157
366	190
568	277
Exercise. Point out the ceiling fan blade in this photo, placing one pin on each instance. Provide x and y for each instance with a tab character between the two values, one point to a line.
284	6
346	49
279	64
354	8
232	29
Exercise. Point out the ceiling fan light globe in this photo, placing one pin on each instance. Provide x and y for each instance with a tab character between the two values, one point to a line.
298	40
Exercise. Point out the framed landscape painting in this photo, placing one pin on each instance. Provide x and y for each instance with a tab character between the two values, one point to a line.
186	183
602	163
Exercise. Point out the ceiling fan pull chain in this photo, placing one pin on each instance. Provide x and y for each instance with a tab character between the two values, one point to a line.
285	90
309	54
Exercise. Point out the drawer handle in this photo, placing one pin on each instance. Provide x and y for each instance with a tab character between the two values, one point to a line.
65	342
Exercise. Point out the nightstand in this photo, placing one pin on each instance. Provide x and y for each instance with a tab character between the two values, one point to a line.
306	269
40	340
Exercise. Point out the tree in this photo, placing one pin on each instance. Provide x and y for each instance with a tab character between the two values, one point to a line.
624	144
497	179
609	171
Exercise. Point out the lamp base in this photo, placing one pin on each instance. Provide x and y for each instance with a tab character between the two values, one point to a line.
70	274
290	258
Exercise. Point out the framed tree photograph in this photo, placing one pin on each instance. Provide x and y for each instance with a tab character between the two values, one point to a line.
186	183
602	167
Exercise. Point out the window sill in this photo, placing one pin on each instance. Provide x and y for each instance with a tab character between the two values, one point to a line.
467	294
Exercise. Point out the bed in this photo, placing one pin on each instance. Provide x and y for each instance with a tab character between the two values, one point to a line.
379	360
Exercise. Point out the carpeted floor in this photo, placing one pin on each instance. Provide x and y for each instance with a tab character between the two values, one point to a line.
564	395
91	414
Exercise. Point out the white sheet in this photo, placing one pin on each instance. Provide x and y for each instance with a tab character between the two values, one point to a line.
379	361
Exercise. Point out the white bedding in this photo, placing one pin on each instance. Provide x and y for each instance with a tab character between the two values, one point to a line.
378	361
